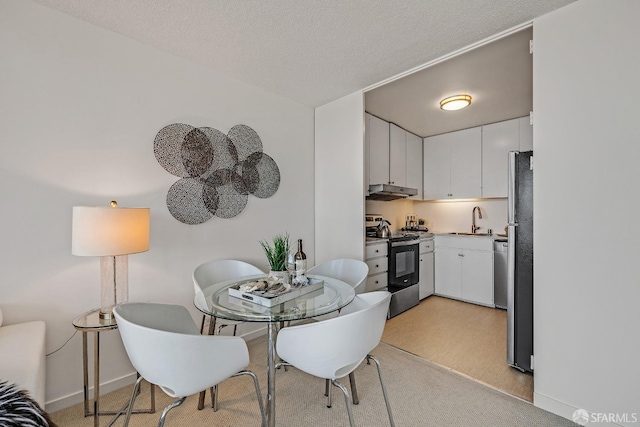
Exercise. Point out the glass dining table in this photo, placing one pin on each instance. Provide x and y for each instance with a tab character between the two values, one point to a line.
216	301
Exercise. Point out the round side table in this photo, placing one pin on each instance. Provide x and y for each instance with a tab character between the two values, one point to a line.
91	322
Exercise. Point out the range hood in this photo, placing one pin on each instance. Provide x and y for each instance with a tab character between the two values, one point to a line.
386	192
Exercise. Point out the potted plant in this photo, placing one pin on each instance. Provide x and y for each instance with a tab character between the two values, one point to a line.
277	254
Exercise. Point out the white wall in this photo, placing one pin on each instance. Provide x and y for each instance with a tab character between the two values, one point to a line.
79	110
586	186
339	178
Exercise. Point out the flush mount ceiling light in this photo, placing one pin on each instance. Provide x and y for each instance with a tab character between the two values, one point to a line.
455	102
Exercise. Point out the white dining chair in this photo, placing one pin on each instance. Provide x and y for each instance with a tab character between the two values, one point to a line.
334	348
217	271
350	271
354	273
207	274
166	348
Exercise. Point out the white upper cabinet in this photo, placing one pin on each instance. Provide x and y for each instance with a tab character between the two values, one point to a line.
497	140
466	169
452	165
377	141
414	164
397	156
394	156
437	167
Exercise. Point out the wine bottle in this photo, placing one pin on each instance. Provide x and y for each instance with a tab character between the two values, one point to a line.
301	262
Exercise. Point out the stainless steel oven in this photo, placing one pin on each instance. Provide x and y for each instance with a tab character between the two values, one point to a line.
403	273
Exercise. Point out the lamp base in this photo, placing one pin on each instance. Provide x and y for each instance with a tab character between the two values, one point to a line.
106	316
114	283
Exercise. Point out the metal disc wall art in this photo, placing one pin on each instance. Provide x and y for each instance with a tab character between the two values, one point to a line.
217	172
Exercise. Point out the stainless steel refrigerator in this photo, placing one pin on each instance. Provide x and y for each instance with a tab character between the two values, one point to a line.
520	261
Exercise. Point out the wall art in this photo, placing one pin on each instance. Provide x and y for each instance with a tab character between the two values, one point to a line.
217	172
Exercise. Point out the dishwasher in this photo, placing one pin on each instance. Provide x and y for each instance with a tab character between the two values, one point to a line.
500	278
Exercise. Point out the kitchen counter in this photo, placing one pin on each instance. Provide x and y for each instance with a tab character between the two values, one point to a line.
422	235
498	236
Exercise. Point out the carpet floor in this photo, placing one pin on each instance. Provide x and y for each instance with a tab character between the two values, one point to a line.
421	394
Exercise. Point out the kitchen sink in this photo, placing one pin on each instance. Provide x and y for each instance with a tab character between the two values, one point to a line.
462	233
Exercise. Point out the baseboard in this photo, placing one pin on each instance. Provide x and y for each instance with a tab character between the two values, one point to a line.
554	406
562	409
77	397
248	336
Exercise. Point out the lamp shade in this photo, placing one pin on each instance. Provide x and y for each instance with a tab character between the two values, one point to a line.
107	231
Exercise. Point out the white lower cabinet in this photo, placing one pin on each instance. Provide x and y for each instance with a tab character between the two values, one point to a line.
426	275
477	276
464	273
376	259
426	287
448	274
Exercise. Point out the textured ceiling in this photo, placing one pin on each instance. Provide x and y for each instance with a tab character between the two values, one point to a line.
310	51
498	76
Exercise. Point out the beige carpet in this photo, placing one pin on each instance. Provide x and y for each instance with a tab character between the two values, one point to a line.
421	394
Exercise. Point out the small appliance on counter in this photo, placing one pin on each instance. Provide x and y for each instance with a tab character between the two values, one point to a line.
414	225
371	223
411	221
383	230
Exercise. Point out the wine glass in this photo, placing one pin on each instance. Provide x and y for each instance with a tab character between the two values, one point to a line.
291	266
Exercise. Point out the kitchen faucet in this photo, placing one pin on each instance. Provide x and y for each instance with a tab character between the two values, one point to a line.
475	228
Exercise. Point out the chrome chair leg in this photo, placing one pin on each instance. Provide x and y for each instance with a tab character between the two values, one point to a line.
136	387
168	408
204	318
347	401
384	389
258	394
214	397
354	390
212	325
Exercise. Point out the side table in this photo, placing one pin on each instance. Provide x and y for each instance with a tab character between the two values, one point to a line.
91	322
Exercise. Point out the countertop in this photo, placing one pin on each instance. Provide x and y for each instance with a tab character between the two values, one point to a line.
428	236
423	236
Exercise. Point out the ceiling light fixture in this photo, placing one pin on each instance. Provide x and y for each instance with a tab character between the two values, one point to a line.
456	102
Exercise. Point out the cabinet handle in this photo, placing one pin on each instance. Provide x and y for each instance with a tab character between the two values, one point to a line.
377	251
460	254
376	281
377	266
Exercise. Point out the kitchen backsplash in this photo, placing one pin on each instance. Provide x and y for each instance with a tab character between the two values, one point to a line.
443	217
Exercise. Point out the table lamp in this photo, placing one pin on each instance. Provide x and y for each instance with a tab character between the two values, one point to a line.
110	233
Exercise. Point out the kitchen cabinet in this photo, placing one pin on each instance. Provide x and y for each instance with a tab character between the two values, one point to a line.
376	258
405	159
377	144
497	140
464	268
452	165
397	156
414	163
426	287
394	156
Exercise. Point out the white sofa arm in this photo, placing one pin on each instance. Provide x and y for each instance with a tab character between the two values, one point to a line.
22	357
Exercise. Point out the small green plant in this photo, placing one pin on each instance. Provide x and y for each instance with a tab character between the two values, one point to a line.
277	254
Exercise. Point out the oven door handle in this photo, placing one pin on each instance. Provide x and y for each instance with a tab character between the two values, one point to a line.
404	243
